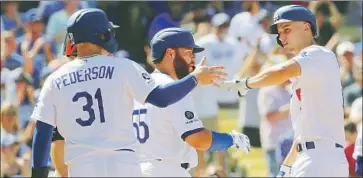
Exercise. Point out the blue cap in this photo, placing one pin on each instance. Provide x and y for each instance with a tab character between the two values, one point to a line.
32	15
172	38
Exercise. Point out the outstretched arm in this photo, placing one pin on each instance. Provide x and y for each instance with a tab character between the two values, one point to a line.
275	75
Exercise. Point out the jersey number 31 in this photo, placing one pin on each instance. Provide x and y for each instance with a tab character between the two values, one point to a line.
88	107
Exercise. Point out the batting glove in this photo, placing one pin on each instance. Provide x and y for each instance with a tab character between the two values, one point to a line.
241	141
239	85
285	171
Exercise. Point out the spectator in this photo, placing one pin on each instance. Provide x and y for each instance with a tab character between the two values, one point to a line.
245	24
56	28
345	55
354	90
356	111
47	8
25	97
197	20
350	136
167	19
273	106
9	57
327	26
8	86
35	47
12	20
15	156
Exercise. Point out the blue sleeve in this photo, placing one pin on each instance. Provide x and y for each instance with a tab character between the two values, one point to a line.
220	142
359	165
165	95
41	144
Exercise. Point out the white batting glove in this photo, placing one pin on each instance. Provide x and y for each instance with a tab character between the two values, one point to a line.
239	85
285	171
241	141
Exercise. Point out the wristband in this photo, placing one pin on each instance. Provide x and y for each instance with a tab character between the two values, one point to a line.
247	83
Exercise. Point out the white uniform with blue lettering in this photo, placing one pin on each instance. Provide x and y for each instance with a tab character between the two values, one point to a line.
317	115
91	101
160	132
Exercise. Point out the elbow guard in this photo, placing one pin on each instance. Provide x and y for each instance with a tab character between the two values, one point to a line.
220	142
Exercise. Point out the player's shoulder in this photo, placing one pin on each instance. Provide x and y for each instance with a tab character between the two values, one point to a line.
316	51
161	78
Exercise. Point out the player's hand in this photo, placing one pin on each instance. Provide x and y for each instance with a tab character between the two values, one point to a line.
206	75
285	171
241	141
239	85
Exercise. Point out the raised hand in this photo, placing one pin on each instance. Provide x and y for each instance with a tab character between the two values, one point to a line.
206	75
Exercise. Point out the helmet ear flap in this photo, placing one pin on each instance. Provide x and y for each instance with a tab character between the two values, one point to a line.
278	41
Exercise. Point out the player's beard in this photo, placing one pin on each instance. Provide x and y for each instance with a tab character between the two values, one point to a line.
182	68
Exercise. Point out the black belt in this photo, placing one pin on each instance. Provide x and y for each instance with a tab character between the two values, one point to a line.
183	165
311	145
122	149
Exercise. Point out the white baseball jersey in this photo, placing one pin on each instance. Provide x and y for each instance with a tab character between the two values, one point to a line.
161	131
317	102
358	143
91	101
228	53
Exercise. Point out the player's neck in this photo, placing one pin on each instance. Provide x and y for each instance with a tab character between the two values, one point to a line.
87	52
303	46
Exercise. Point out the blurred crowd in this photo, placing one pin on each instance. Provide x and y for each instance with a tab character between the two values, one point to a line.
233	34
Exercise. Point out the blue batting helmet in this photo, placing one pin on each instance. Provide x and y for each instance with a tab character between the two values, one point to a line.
89	25
292	13
172	38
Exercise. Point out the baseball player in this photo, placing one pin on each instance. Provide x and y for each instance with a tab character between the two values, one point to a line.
166	135
57	147
316	104
90	101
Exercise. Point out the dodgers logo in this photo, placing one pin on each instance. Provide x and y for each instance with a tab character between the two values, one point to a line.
276	18
189	115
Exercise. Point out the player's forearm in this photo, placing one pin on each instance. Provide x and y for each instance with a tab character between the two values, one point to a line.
271	76
57	155
41	149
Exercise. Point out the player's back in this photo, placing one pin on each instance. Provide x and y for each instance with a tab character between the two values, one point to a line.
94	105
159	131
317	102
